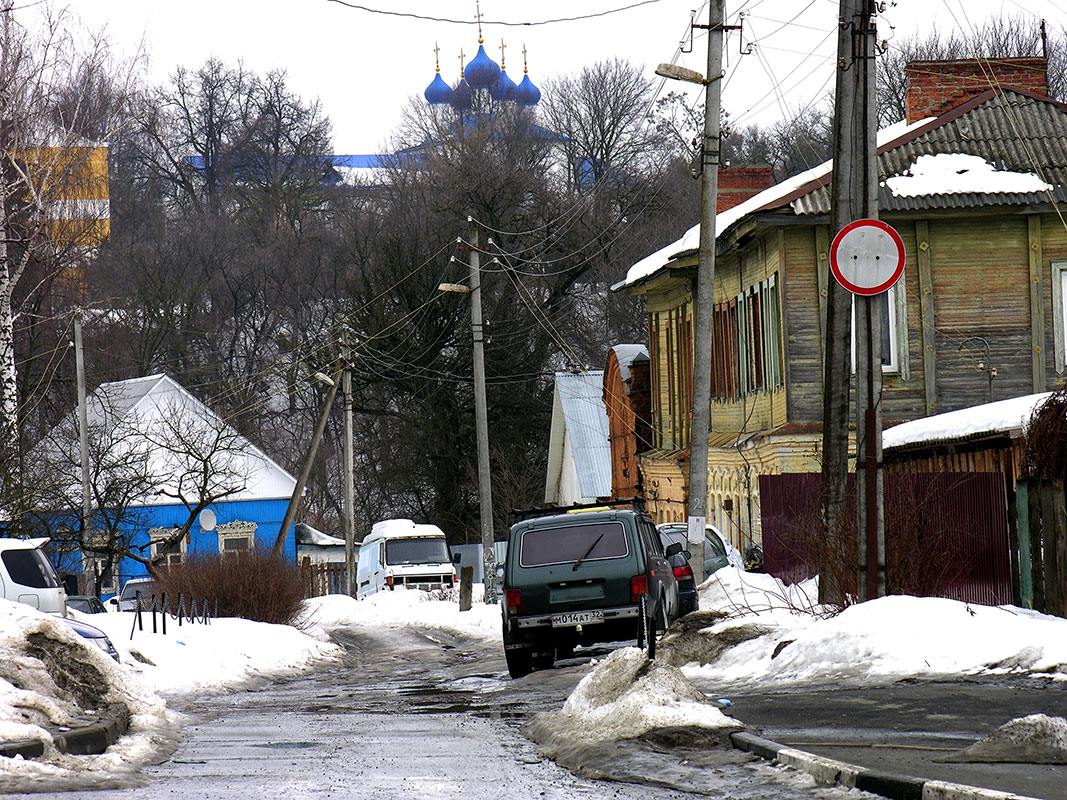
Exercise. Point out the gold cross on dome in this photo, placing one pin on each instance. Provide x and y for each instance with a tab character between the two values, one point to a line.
461	57
502	54
437	56
478	16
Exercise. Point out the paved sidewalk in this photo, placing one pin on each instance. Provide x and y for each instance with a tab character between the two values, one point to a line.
892	740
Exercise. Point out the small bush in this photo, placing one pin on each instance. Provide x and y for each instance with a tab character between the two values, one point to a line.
250	585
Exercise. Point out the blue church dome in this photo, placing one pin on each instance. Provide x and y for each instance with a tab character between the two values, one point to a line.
527	94
461	96
504	89
438	92
482	72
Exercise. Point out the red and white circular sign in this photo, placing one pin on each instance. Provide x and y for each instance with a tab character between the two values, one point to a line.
867	257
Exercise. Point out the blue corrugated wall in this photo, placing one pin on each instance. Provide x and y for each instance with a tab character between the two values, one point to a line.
267	514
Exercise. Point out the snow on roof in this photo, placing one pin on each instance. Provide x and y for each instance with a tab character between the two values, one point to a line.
627	355
651	264
306	535
401	528
147	412
1004	416
956	173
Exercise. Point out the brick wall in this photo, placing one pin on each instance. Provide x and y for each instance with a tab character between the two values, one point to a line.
737	184
936	86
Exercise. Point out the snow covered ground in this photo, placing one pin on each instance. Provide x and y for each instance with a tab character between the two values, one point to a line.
770	635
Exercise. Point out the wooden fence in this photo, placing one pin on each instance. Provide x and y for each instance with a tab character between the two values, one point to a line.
322	579
1039	531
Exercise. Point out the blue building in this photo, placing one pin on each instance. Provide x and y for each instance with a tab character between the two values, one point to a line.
166	462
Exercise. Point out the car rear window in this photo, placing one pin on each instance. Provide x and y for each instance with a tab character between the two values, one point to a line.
130	590
427	550
30	568
544	546
713	546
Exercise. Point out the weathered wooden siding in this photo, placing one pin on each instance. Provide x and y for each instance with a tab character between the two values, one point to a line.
802	327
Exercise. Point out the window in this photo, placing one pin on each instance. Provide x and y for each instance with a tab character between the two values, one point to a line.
889	305
29	567
759	337
1059	312
425	550
544	546
172	554
236	538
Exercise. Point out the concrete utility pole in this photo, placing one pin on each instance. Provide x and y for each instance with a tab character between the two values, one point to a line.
704	301
83	436
854	195
350	501
481	421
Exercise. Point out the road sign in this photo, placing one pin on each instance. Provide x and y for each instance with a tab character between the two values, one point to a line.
867	257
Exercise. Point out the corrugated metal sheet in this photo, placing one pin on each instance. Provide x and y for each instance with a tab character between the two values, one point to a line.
946	533
581	398
1014	132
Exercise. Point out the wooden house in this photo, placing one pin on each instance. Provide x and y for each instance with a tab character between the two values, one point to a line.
974	181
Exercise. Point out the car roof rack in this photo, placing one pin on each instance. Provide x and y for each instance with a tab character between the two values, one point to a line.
519	514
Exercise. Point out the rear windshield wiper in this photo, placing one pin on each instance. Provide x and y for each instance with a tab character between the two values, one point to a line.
581	558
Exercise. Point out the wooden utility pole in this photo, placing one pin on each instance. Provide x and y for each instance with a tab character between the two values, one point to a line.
481	421
704	300
853	196
350	525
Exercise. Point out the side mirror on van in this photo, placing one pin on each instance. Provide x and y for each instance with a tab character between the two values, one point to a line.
457	557
114	601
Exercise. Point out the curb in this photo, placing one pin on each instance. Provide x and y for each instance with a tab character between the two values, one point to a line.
886	784
88	740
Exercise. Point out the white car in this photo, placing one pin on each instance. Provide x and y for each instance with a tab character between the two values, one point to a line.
126	600
718	552
27	576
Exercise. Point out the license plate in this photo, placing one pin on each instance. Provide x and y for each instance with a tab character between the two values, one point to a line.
572	618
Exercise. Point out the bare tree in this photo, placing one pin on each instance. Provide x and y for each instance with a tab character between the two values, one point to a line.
1002	36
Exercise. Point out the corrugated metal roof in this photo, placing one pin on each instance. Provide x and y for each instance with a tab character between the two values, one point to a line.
585	421
1014	132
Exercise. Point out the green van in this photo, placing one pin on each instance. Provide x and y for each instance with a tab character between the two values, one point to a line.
583	577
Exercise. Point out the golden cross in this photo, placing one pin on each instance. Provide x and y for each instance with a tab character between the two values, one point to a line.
478	16
502	54
524	69
461	64
437	56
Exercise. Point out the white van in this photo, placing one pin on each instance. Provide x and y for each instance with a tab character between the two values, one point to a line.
27	576
401	553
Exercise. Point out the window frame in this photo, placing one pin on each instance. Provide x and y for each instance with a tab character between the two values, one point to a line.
1059	314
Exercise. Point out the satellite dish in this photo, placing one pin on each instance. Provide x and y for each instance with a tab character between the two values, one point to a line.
207	520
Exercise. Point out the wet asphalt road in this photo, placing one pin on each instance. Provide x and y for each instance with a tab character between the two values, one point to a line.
425	715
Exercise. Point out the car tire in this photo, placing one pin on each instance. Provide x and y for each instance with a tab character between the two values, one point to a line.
519	660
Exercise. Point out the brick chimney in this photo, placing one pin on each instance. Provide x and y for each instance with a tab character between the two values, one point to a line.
936	86
737	184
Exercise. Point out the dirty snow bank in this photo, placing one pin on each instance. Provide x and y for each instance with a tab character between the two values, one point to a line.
872	643
1036	739
626	696
50	677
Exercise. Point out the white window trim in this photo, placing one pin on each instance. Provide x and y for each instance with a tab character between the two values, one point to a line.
1059	314
896	318
237	530
158	535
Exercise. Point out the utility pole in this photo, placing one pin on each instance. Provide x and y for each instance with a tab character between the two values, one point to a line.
481	420
704	300
350	525
298	493
853	197
83	436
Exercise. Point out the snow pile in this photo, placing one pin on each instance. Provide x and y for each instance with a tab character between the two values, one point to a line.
731	591
221	656
955	173
50	677
872	643
405	608
627	696
1036	739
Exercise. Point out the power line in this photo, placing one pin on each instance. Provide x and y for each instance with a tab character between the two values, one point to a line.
524	24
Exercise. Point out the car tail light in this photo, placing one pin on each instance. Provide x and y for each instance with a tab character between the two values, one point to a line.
513	600
683	573
638	587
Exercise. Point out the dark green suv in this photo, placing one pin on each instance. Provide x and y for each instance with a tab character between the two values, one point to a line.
583	577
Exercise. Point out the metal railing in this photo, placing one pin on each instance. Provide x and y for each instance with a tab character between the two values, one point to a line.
160	611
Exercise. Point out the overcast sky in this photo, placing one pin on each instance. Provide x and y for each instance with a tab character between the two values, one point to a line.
364	65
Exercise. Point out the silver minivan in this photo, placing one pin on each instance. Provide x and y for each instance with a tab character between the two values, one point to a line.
27	576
